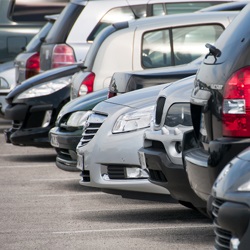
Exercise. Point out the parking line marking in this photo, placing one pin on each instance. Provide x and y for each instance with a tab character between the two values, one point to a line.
61	179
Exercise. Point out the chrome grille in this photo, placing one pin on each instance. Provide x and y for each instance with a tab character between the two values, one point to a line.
222	237
92	125
159	109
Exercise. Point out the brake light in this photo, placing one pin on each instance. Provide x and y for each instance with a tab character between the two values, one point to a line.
87	85
236	104
32	66
62	55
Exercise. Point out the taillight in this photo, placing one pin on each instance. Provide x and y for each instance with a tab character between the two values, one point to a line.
87	85
236	104
32	66
62	55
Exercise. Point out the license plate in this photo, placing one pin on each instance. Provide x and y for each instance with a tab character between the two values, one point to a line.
79	164
54	141
142	160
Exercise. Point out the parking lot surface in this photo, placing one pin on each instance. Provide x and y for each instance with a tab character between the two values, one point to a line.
43	207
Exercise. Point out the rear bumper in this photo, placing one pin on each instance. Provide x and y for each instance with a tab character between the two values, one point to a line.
203	167
171	176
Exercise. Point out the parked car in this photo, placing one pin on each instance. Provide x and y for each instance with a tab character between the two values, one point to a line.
219	107
161	153
148	43
214	24
20	20
27	63
67	132
78	25
34	105
231	202
113	133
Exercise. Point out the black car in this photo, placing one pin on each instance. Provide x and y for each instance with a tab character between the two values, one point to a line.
34	105
67	132
220	106
231	204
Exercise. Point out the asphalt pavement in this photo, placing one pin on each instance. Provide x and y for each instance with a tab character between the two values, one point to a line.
43	207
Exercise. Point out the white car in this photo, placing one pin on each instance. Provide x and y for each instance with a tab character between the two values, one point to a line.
107	153
81	21
148	43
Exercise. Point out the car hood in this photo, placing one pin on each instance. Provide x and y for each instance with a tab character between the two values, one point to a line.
49	75
82	103
135	99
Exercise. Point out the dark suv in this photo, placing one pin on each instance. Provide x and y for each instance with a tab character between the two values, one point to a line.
220	107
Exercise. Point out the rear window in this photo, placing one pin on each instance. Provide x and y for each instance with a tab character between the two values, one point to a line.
34	11
37	40
64	23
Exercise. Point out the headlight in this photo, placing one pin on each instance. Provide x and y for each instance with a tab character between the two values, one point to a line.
78	118
134	120
178	114
45	88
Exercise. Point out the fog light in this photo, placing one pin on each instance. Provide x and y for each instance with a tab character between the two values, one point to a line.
234	244
136	173
47	118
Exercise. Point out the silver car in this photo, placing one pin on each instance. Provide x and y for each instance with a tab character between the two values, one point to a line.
107	152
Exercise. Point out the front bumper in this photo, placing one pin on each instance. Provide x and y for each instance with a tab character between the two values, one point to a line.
171	176
203	168
231	221
27	129
65	144
100	161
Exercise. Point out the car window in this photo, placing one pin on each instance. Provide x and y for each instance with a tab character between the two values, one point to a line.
34	11
36	41
156	49
119	14
177	8
188	43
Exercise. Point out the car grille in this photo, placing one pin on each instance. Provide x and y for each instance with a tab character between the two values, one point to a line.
93	124
159	109
222	237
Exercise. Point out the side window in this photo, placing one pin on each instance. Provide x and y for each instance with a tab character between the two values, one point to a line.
156	50
189	42
158	9
186	7
119	14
